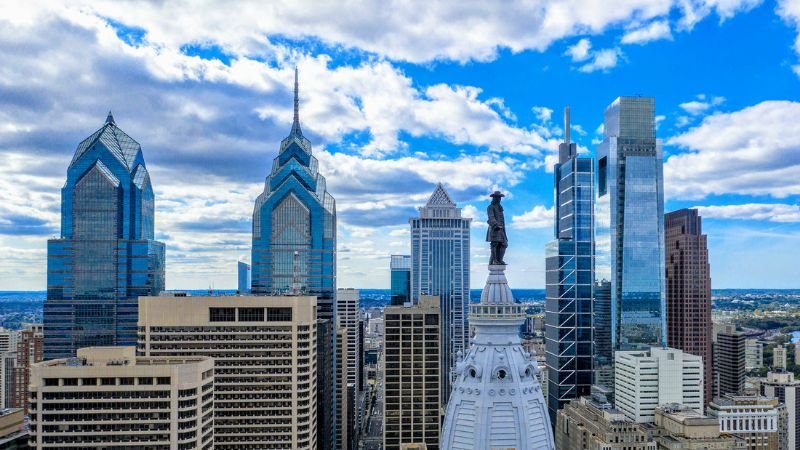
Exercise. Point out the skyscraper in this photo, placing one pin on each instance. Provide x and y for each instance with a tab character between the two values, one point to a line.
601	332
783	386
569	279
400	268
440	266
630	191
688	294
347	319
243	277
729	360
294	249
106	256
29	351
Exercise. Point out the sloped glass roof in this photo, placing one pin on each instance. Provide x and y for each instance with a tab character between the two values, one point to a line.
122	146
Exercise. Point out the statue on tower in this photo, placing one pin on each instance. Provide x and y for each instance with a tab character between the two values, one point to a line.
496	234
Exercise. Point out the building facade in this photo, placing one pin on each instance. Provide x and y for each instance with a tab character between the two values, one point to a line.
400	272
688	295
343	434
496	400
631	193
440	262
411	365
569	279
754	354
294	250
783	387
265	362
645	380
779	357
682	428
601	332
153	403
754	419
106	256
590	423
729	360
30	350
243	277
348	315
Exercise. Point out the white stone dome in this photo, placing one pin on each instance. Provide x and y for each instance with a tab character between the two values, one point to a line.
496	400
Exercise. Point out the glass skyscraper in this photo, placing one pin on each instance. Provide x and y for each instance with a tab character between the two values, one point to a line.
569	279
440	266
400	268
106	256
243	277
631	193
294	252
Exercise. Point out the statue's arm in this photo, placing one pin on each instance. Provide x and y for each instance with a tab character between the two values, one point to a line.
492	216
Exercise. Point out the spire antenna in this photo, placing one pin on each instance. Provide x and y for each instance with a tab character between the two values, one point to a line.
566	125
296	123
110	118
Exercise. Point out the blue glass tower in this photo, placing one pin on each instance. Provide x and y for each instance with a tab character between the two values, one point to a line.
400	268
294	251
106	256
631	194
440	266
570	279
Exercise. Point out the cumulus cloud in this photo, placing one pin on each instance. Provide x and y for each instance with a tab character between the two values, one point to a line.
579	51
602	60
538	217
651	32
773	212
753	151
701	104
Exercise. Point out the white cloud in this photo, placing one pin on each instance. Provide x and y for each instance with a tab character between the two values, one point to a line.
579	51
650	32
537	217
701	105
602	60
753	151
773	212
542	113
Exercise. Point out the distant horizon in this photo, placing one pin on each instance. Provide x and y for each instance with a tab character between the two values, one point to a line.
388	289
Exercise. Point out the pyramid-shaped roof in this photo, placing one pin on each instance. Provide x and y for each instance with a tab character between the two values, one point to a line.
440	198
122	146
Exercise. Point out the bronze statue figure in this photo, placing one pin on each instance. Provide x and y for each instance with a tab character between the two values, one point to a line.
496	234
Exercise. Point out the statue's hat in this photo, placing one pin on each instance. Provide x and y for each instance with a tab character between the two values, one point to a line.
496	194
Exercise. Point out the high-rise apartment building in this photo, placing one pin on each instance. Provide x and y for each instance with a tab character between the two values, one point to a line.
569	279
400	272
592	424
347	319
754	354
440	266
8	362
265	362
243	277
779	357
729	360
631	193
108	397
30	350
106	256
411	362
645	380
783	386
754	419
688	295
294	250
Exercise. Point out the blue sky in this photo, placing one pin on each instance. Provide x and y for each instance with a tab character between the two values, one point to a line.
395	99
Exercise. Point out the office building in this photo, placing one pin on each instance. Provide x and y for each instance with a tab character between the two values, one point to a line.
8	340
783	386
645	380
631	193
688	294
106	256
440	266
496	400
569	279
343	434
8	362
593	424
682	428
754	354
779	357
294	250
754	419
244	279
400	272
348	317
729	364
411	375
265	362
154	403
601	332
30	346
13	430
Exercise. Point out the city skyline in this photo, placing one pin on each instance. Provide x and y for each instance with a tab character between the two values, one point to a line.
460	111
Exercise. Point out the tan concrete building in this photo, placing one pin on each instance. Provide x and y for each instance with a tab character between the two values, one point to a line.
13	432
411	364
779	357
342	403
589	424
109	398
757	420
682	428
265	356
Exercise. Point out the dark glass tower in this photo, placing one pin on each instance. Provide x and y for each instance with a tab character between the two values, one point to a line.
106	256
570	279
400	268
631	196
294	251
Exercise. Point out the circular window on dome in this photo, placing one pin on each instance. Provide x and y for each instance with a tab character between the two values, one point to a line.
501	374
472	373
528	372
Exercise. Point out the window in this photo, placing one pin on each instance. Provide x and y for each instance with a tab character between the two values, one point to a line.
222	314
251	314
163	380
279	314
